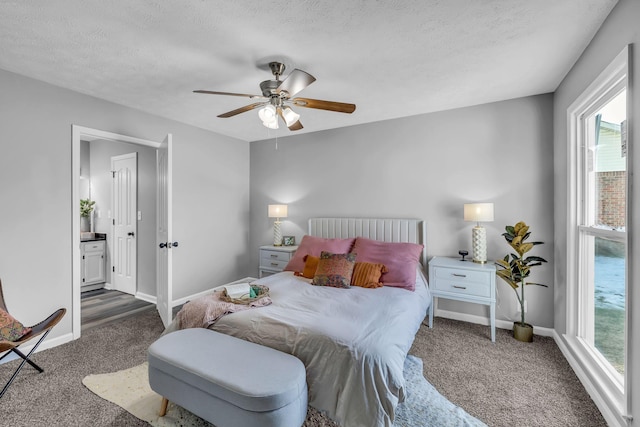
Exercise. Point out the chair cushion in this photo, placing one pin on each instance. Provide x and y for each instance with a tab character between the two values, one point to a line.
251	376
10	328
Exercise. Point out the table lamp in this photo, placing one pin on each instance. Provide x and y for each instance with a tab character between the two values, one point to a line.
277	212
479	212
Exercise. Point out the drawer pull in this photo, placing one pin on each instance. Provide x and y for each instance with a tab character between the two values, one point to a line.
458	275
274	263
274	256
459	287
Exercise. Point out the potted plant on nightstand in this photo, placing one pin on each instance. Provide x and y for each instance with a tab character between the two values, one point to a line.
514	268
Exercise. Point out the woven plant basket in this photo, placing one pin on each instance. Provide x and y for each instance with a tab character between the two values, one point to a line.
260	290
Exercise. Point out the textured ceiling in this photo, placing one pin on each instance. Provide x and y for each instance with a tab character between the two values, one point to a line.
391	58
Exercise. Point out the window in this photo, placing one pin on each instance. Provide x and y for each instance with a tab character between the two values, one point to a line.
601	221
597	230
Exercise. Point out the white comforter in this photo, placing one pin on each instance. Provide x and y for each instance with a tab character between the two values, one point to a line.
353	342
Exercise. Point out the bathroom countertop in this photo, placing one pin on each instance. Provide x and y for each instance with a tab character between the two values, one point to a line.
92	237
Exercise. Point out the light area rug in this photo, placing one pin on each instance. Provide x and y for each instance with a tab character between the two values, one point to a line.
130	390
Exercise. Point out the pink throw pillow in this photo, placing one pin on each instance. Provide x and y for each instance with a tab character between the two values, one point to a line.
310	245
401	260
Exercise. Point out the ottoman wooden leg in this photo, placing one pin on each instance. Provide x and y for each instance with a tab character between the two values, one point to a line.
163	406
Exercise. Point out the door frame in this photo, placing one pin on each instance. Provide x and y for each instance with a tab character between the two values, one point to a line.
80	133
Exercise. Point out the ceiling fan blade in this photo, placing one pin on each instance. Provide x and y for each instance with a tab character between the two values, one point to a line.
295	82
295	126
242	109
211	92
340	107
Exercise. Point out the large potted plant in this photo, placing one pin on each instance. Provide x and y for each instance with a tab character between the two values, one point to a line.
514	269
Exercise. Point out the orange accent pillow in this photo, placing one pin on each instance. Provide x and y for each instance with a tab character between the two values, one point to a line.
367	275
310	267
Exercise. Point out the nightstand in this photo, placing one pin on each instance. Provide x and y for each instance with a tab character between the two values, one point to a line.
463	281
273	259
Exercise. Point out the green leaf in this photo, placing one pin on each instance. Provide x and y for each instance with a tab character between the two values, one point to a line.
536	284
519	226
523	230
504	275
534	258
524	248
510	230
502	263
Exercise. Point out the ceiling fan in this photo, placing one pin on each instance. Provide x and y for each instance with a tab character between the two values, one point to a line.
277	98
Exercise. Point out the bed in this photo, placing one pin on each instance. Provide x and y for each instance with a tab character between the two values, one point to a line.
353	341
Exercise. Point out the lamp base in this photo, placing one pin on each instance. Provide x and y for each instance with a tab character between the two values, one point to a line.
479	243
277	234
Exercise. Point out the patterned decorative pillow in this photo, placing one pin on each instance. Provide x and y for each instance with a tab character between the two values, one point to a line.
367	275
334	270
10	328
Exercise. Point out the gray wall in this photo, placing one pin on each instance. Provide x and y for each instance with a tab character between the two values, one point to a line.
210	185
425	167
620	29
101	181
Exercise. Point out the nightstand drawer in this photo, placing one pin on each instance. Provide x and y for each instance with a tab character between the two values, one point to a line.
268	256
462	287
462	276
273	264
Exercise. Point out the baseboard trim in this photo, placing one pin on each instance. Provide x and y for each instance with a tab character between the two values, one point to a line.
46	344
481	320
146	297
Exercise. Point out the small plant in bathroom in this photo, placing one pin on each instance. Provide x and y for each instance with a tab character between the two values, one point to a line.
86	207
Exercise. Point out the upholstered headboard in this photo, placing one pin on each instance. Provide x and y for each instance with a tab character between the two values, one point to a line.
383	229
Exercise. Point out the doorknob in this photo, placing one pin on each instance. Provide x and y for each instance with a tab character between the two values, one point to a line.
174	244
131	233
162	245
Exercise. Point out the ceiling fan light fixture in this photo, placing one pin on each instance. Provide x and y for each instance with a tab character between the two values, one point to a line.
290	116
271	125
268	114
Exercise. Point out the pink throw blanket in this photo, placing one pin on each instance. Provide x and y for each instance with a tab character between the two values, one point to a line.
203	311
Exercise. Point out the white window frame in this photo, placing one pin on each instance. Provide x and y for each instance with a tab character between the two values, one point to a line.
614	387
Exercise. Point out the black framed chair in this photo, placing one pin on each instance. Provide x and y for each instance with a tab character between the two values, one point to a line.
41	330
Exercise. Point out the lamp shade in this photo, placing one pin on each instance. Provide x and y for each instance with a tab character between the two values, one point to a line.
277	211
478	212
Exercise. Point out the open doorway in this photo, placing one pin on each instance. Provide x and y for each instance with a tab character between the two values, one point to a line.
103	146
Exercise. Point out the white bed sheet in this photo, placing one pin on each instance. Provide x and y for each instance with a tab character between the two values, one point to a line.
353	342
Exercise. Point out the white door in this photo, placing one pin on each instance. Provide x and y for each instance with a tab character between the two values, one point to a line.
164	233
124	207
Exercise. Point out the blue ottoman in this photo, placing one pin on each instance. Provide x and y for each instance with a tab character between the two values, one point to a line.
228	381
